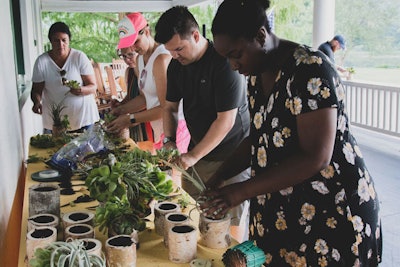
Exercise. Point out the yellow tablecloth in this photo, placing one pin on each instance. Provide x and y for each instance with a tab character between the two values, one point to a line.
151	252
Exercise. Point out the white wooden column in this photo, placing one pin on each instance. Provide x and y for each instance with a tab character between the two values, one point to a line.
323	21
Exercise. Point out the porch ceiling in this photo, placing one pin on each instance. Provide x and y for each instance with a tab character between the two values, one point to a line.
113	6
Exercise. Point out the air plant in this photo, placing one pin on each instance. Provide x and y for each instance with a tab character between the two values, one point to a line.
193	178
60	254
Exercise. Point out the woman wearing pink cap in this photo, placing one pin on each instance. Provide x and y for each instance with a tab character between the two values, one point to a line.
152	64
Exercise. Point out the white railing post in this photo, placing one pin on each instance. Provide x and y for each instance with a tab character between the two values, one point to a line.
373	106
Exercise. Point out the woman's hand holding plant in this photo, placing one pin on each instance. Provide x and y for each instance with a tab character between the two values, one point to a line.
119	124
215	203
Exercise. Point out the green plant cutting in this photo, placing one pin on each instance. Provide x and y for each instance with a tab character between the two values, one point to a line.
108	117
71	84
351	70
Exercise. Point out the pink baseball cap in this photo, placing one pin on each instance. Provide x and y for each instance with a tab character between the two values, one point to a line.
128	29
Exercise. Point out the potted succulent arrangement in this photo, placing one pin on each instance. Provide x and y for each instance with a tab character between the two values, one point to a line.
60	253
124	189
60	123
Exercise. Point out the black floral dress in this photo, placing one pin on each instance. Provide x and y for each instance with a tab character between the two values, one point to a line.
332	218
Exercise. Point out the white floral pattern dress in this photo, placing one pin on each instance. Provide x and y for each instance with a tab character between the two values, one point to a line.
332	218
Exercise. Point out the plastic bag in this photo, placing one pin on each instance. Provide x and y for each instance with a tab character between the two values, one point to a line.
90	142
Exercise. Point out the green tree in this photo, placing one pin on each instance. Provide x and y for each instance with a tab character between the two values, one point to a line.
96	33
372	33
293	20
93	33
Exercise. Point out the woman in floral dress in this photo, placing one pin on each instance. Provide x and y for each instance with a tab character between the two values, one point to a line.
313	202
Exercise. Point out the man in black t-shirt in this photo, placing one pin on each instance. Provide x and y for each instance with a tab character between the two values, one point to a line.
214	102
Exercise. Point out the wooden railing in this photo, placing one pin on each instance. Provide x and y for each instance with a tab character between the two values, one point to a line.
373	106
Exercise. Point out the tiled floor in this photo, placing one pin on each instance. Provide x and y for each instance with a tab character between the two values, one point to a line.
382	156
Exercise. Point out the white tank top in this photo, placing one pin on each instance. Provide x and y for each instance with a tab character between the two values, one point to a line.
148	86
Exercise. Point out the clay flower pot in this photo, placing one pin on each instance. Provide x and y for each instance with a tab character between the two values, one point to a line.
171	220
182	243
44	198
39	237
93	246
121	251
78	217
160	210
78	231
42	220
215	233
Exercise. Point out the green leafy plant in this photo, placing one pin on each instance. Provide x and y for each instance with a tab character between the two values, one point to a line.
108	117
351	70
105	182
42	141
71	83
118	216
66	254
125	186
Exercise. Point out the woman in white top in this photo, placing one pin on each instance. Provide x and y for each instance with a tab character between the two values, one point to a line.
152	67
48	88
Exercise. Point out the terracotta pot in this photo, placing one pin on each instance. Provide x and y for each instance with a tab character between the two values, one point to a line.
215	233
78	217
171	220
93	246
44	198
182	243
78	231
42	220
160	210
121	251
39	237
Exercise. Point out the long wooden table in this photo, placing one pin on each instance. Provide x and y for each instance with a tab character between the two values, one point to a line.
151	252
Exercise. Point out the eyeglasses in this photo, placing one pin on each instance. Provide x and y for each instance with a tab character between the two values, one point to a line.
127	55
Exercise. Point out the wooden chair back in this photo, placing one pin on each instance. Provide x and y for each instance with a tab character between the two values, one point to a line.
102	97
111	81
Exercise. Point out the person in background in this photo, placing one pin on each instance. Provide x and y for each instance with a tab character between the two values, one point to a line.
152	63
330	47
138	132
214	103
313	201
50	71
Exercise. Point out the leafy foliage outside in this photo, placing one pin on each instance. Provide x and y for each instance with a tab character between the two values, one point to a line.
372	33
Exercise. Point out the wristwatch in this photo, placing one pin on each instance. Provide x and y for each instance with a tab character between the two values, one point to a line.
168	139
132	118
